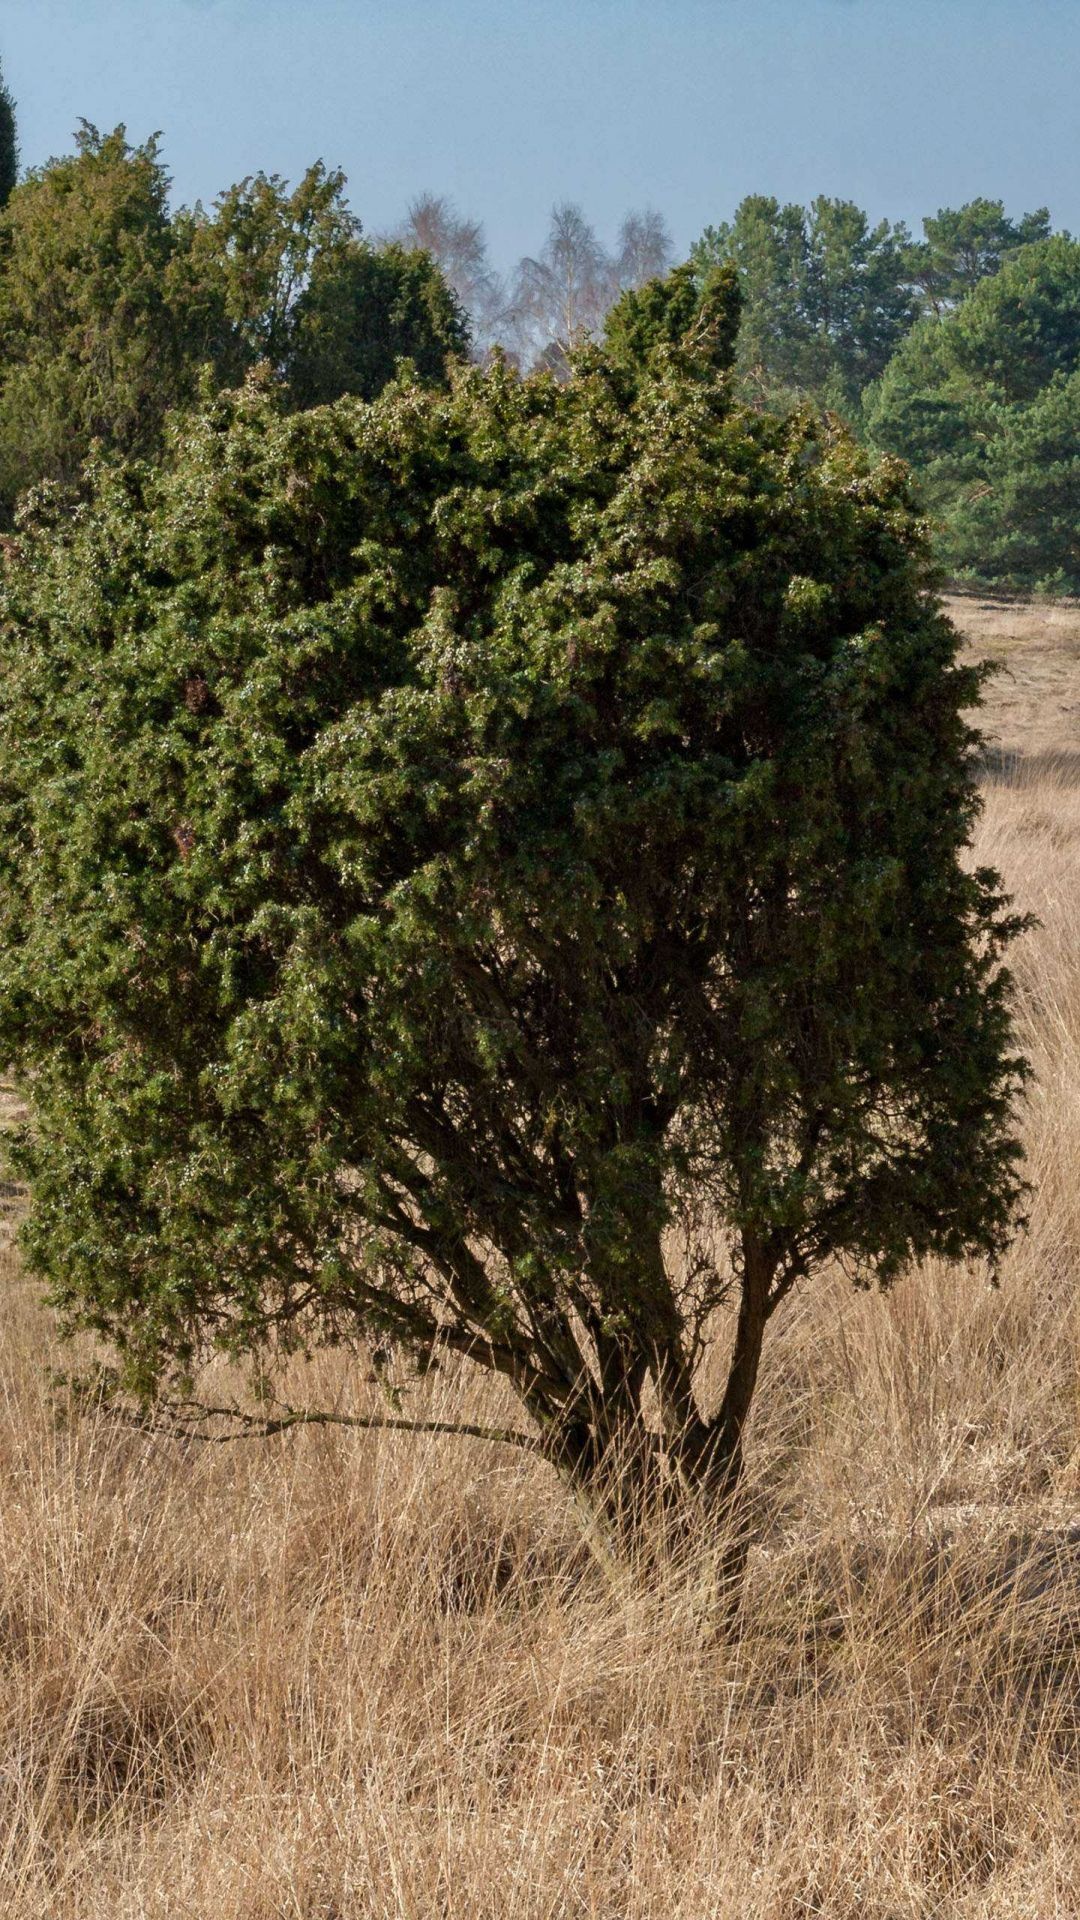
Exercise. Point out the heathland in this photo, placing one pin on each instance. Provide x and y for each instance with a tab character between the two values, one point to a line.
338	1675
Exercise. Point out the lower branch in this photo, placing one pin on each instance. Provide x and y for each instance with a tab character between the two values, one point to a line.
187	1420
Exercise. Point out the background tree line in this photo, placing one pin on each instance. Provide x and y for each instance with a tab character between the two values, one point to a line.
958	350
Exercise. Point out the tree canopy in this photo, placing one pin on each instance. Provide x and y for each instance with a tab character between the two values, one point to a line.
100	327
963	245
112	309
116	311
982	402
826	298
364	309
486	868
261	247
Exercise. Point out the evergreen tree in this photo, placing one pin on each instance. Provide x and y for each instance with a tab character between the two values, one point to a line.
963	245
102	323
364	309
261	246
308	297
112	310
9	143
458	847
1020	523
826	298
980	402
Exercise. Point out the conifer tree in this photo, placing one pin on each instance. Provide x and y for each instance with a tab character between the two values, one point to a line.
983	402
9	142
487	870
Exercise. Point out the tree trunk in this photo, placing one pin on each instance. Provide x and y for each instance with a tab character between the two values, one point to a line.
636	1479
730	1422
715	1464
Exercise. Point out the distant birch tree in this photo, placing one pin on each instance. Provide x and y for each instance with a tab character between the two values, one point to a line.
645	249
561	295
458	246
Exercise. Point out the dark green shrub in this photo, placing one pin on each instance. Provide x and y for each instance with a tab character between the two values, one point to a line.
486	868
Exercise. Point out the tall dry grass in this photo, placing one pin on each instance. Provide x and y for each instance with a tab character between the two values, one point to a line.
335	1676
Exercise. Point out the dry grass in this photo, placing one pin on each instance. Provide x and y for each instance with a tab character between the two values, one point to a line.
336	1676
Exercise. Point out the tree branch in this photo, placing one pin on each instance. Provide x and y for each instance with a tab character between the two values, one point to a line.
186	1419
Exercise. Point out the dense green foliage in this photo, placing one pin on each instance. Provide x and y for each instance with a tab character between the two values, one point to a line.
963	245
364	309
687	305
984	403
9	143
100	326
262	246
305	295
116	312
112	310
450	843
826	298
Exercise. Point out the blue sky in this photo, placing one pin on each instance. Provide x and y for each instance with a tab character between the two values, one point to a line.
903	105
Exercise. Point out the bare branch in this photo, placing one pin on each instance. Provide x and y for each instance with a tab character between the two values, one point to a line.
187	1419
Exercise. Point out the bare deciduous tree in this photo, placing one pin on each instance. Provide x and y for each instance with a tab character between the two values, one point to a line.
459	246
556	298
645	249
562	295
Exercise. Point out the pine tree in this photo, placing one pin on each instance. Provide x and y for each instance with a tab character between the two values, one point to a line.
983	403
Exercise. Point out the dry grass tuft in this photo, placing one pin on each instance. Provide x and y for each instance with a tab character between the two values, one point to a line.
336	1676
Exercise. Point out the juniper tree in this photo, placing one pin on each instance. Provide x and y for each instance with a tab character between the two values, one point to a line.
364	310
488	870
101	328
113	311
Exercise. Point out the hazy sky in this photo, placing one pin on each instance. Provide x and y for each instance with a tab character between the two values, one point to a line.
904	105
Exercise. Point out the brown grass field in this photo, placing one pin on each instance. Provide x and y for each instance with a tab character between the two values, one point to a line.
338	1676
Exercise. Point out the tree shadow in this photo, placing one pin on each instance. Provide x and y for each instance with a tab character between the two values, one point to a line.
1010	767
